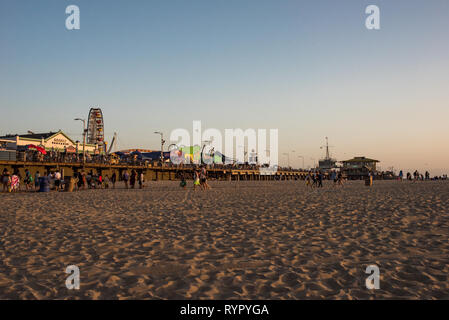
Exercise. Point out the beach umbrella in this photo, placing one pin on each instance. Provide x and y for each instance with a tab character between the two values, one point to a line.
37	148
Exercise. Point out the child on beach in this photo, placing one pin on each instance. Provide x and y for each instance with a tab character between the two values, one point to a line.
15	183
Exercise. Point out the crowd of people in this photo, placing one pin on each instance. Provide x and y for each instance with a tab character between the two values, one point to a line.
82	180
315	179
417	176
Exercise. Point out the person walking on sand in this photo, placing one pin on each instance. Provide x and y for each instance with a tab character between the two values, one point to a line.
308	180
132	180
339	179
113	179
401	175
203	179
320	180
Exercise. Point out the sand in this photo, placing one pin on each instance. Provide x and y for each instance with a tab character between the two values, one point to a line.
240	240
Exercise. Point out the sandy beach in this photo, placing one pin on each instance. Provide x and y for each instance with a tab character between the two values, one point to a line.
240	240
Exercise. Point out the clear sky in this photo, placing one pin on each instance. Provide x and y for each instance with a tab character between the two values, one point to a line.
308	68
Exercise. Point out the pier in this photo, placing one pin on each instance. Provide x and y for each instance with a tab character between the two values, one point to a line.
151	172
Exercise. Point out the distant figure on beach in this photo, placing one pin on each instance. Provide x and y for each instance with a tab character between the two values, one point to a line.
203	179
196	179
57	180
141	180
183	182
19	176
113	179
36	180
100	181
28	180
415	176
333	177
126	178
15	183
6	179
106	182
401	175
314	179
132	179
339	179
427	175
309	180
320	179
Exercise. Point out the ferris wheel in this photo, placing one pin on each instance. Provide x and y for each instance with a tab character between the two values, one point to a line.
95	128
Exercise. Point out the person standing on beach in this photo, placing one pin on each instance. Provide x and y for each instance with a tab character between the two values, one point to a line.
126	178
196	179
36	180
106	182
401	175
57	180
141	180
203	179
100	181
28	180
132	180
113	179
5	179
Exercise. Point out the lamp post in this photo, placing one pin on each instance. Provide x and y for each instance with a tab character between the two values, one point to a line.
313	163
84	138
162	145
302	161
288	158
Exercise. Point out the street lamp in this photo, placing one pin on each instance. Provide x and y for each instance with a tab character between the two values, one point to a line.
288	158
84	138
162	145
302	161
313	163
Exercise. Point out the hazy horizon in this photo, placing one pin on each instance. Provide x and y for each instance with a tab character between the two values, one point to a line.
308	68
